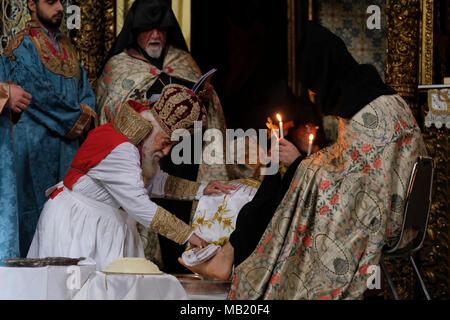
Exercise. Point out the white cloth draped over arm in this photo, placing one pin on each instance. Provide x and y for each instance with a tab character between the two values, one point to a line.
155	187
200	192
121	175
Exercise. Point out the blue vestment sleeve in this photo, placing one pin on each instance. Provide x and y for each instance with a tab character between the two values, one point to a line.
9	234
4	90
85	93
59	112
4	94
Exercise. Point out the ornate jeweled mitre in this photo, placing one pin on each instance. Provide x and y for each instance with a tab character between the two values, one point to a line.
178	108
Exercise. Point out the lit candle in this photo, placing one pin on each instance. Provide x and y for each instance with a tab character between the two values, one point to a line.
281	125
311	139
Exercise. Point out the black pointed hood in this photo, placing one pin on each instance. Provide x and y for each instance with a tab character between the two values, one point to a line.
148	14
327	68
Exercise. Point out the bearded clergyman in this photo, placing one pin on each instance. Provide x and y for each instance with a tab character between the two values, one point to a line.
94	212
149	54
43	61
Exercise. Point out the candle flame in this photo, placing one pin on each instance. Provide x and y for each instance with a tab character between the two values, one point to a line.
311	138
279	117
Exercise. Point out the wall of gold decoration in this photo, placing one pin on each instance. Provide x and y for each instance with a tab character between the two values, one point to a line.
96	36
409	63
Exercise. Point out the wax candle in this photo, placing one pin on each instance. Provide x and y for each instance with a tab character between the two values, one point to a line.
281	125
311	139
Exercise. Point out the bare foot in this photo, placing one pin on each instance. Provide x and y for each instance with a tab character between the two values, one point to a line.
220	266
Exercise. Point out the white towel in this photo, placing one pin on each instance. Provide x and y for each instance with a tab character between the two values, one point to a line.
190	258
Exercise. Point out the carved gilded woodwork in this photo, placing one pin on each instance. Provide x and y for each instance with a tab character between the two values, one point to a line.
96	35
433	259
401	73
434	256
409	63
426	49
109	24
402	60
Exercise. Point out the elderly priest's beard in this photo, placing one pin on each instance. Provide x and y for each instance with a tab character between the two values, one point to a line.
150	159
150	164
154	53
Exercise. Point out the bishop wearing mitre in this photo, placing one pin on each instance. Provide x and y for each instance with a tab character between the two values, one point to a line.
94	211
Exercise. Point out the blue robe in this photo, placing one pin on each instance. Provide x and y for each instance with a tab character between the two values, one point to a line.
9	226
43	152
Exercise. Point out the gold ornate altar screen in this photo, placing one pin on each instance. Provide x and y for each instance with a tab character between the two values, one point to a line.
409	63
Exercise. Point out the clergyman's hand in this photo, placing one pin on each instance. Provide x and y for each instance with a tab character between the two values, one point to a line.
288	152
19	99
218	188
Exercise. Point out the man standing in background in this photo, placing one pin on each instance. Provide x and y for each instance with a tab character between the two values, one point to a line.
44	63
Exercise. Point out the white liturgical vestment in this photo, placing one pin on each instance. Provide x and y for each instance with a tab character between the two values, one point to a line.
97	218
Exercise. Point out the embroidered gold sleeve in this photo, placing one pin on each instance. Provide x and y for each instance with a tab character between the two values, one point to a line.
180	189
169	226
87	115
14	43
4	95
